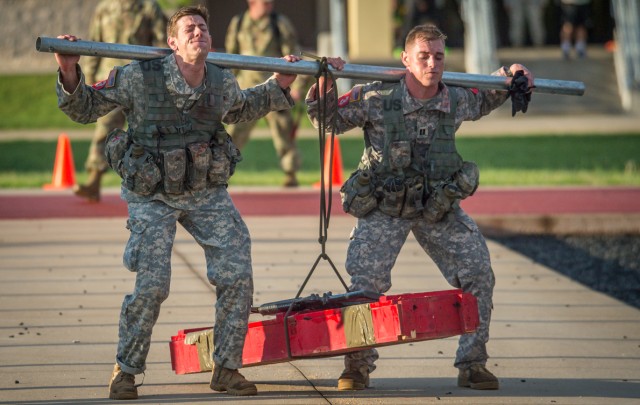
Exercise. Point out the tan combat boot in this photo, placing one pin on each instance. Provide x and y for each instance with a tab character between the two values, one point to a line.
477	377
290	180
122	385
91	190
225	379
351	380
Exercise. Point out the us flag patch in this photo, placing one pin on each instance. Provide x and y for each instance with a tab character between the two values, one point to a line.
111	80
353	95
100	85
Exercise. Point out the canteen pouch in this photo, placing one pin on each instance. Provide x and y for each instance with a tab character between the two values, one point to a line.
116	146
440	202
357	194
399	155
140	173
174	163
393	191
198	162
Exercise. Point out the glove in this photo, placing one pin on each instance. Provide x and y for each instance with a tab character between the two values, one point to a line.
520	93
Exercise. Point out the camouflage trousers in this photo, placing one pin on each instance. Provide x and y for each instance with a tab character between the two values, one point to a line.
456	246
280	124
96	159
217	226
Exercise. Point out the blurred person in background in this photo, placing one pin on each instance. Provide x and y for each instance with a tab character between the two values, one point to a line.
133	22
575	20
530	12
260	31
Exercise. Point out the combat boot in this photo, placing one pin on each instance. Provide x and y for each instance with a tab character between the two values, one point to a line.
91	190
477	377
351	380
122	385
290	180
226	379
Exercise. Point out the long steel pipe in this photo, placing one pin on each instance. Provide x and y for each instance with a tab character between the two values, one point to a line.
266	64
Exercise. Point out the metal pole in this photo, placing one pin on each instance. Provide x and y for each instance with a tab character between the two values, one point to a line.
265	64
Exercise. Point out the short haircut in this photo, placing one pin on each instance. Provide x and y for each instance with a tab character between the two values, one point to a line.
426	32
184	11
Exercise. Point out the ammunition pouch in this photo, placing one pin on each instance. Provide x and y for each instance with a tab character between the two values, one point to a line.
198	162
413	205
116	146
358	194
174	166
140	173
392	192
225	156
402	198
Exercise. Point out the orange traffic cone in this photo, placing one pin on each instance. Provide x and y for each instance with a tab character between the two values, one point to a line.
332	173
64	172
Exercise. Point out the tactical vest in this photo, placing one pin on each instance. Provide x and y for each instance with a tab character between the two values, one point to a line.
403	179
165	126
179	149
441	160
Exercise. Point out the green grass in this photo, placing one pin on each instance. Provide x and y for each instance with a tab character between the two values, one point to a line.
504	161
30	101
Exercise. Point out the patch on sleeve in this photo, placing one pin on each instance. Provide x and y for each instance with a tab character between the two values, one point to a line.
474	90
100	85
352	96
111	80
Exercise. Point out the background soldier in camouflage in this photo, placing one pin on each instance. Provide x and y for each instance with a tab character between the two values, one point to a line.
262	32
424	115
184	86
135	22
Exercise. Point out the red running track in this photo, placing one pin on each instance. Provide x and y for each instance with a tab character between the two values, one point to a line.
490	201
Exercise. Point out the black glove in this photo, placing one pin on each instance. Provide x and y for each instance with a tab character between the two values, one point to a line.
520	93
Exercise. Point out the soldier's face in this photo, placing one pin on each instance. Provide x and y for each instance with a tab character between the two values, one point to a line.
425	61
192	37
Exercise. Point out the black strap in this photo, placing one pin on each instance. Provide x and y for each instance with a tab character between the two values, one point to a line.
325	197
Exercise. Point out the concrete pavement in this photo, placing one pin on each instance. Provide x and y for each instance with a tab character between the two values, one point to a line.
62	283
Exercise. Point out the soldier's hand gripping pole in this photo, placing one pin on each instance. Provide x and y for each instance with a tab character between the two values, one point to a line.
266	64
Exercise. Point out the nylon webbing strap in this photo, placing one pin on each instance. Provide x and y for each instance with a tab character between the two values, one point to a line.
325	184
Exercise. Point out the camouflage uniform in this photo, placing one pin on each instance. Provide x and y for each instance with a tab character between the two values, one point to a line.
134	22
257	38
209	214
453	243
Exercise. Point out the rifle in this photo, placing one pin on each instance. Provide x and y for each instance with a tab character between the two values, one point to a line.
317	302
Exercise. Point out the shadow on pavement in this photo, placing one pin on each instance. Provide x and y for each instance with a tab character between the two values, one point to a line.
605	263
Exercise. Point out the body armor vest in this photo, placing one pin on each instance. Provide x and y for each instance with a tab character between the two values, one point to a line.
165	126
181	149
441	160
404	177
